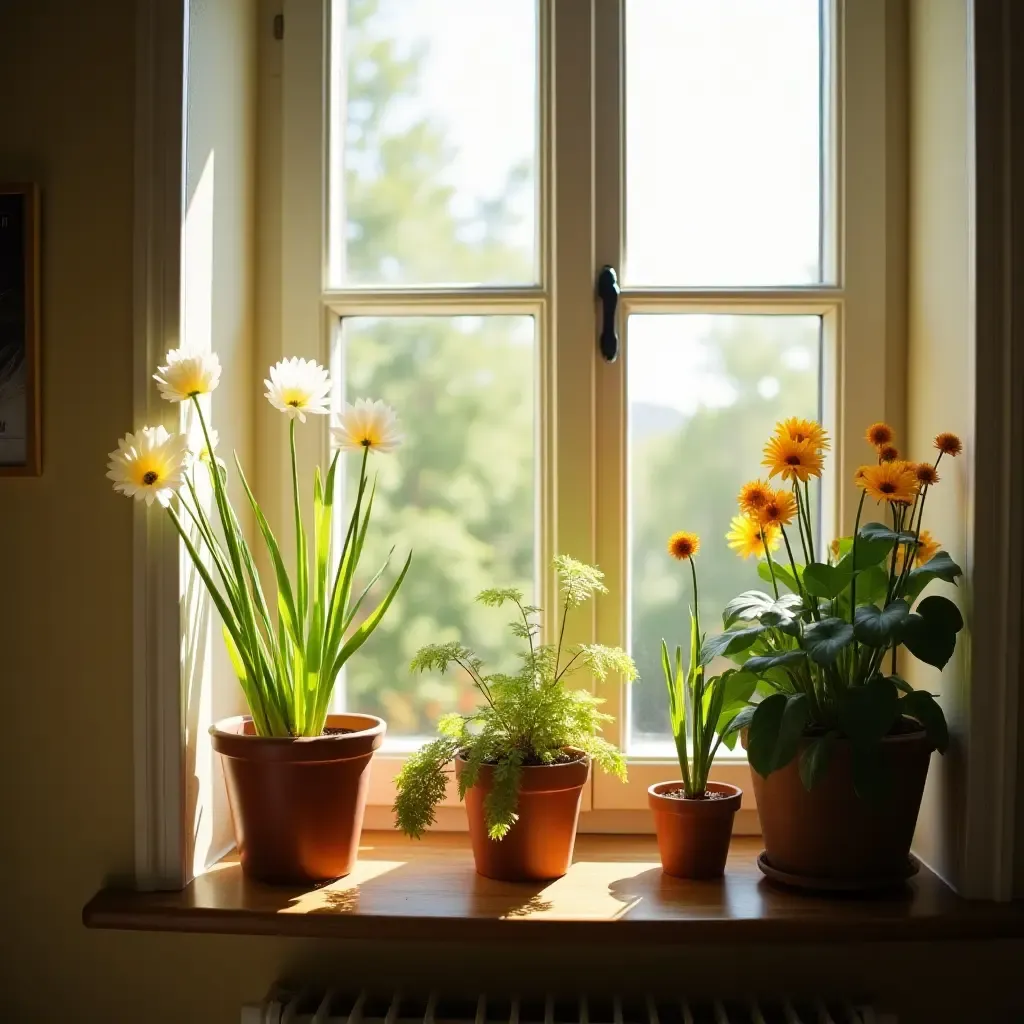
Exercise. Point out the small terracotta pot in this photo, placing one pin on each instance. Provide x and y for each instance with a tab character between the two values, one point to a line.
693	835
539	845
831	834
297	803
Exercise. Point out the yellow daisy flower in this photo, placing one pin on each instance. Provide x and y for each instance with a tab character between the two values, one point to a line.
889	481
797	429
793	460
779	510
745	537
753	497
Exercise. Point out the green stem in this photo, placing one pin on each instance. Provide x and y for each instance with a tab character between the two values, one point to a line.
771	563
853	569
807	514
800	522
796	575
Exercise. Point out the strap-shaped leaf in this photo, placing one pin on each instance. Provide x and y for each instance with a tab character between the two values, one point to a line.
825	639
878	627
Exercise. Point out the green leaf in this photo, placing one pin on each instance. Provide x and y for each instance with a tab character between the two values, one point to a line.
775	731
729	642
939	567
867	713
878	626
765	662
872	585
929	633
825	639
879	531
815	758
901	684
739	721
926	709
748	605
870	551
828	581
782	575
782	614
872	775
737	686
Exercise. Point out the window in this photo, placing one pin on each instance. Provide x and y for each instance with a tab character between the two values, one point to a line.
456	173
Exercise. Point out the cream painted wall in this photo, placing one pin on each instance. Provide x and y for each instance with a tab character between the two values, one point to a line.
65	548
940	365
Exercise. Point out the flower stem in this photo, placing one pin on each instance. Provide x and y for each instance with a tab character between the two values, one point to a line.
771	563
853	570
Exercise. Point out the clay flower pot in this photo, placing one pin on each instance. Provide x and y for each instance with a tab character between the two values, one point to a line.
297	803
828	837
539	845
693	835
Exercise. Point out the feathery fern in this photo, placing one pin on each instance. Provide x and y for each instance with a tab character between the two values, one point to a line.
526	719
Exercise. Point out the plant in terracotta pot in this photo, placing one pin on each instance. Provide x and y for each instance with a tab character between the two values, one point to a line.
840	745
693	817
523	757
296	774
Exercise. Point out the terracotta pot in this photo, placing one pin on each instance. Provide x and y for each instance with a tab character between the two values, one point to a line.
539	845
693	835
297	803
831	834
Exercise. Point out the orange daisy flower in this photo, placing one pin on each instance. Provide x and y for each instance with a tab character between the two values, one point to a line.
949	444
879	434
793	460
683	545
779	510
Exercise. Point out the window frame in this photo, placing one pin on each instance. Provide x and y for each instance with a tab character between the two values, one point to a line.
582	429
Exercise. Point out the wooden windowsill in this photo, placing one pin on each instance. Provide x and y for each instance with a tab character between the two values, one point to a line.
409	890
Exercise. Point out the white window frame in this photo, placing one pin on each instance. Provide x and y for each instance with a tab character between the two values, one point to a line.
582	398
868	322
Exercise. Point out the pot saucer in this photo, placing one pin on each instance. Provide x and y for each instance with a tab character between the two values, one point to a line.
813	883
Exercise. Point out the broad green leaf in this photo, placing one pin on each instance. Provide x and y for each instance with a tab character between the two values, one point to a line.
748	605
764	733
761	664
815	758
878	626
782	574
929	633
825	639
870	551
872	586
872	775
791	729
782	614
728	642
926	709
828	581
901	684
939	567
879	531
868	712
737	686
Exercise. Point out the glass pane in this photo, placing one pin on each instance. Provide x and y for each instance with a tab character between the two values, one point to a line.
723	142
704	395
435	180
460	492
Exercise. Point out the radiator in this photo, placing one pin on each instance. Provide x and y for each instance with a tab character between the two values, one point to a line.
331	1007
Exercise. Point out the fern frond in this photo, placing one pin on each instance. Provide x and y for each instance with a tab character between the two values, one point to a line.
503	799
601	660
421	786
497	596
452	726
437	657
607	757
579	581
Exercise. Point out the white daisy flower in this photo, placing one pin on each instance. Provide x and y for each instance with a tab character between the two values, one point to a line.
367	424
298	386
148	466
187	374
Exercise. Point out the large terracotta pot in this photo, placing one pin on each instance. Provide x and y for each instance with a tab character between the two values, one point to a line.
693	835
829	835
539	845
297	803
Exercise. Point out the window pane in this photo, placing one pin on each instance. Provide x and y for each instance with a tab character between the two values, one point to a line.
460	492
723	142
435	181
704	394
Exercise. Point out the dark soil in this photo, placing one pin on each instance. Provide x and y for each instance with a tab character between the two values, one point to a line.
680	794
336	731
536	762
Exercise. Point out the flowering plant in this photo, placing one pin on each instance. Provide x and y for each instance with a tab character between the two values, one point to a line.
287	668
819	652
700	704
527	719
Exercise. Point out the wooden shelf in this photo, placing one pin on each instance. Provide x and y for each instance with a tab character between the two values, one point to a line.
428	891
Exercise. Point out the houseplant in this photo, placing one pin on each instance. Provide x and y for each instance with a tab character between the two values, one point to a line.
523	757
693	817
840	745
296	775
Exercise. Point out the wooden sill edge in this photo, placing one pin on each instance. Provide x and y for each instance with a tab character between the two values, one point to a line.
428	891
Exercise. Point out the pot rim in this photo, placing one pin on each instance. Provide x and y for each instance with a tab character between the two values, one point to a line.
689	806
229	740
544	778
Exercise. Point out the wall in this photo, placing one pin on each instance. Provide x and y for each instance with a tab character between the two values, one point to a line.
940	364
65	548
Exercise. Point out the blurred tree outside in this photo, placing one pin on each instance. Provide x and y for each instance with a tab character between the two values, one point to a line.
461	491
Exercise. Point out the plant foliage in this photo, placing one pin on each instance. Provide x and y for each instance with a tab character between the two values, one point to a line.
527	718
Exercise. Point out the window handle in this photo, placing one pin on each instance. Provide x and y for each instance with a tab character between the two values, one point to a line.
608	293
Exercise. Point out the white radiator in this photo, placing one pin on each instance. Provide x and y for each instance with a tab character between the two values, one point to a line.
318	1007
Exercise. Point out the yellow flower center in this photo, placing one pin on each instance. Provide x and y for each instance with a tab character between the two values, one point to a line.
295	398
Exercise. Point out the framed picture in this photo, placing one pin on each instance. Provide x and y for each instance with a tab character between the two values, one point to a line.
20	420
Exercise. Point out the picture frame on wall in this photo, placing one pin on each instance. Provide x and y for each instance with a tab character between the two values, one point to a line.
20	419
